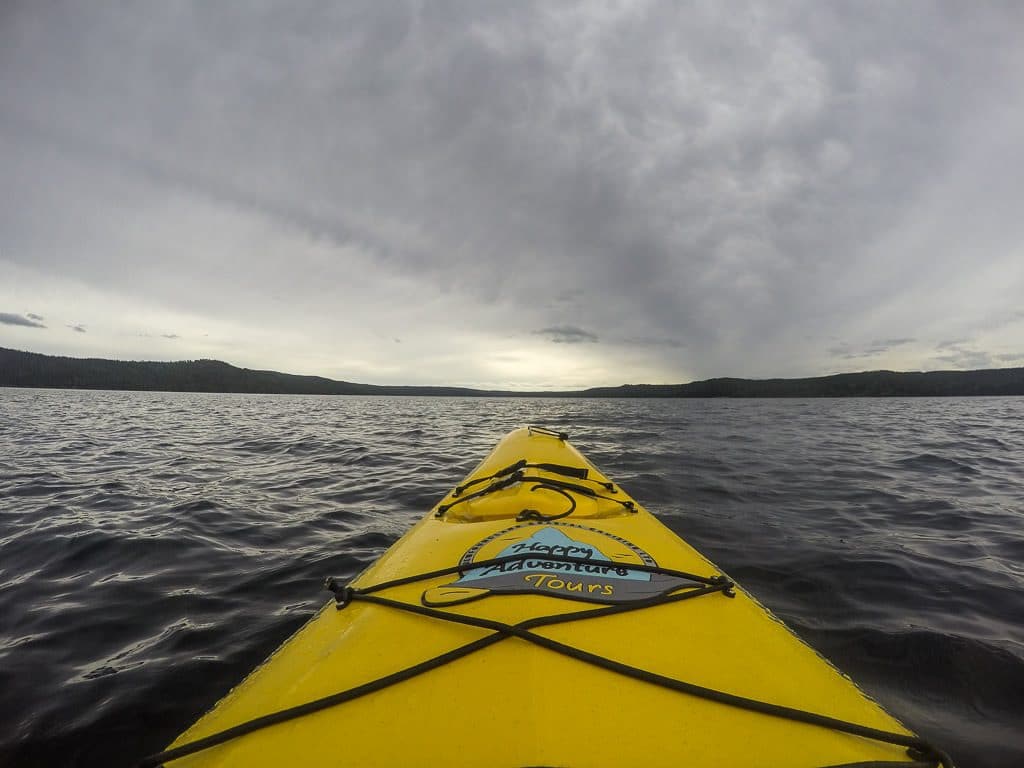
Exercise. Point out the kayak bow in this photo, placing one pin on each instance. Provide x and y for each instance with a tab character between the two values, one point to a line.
539	616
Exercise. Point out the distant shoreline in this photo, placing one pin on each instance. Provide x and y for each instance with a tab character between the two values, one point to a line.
30	369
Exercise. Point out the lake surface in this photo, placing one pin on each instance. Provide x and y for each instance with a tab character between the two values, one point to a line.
154	547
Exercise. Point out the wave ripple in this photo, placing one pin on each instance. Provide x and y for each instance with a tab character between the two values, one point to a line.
140	529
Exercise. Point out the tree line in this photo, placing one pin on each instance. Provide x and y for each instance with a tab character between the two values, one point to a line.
30	369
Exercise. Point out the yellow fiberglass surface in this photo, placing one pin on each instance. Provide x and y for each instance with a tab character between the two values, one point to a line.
538	531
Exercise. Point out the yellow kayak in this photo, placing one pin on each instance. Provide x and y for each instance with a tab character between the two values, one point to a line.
539	616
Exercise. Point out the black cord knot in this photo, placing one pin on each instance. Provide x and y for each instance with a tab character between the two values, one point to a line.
726	584
342	594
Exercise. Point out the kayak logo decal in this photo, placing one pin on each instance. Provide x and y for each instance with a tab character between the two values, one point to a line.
604	577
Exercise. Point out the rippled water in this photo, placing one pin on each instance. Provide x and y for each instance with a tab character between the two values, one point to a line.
154	547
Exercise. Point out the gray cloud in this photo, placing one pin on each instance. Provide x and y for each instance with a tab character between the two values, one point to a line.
77	328
29	321
966	354
33	316
754	179
648	341
567	334
890	343
871	349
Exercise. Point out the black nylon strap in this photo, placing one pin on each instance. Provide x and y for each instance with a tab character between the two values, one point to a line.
522	631
577	473
497	485
493	561
318	704
519	477
563	436
500	630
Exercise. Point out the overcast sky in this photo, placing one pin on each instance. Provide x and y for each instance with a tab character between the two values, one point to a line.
517	195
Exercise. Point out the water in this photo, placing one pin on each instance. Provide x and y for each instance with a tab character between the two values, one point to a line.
154	547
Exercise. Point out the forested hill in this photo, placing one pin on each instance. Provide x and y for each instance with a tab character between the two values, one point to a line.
28	369
993	381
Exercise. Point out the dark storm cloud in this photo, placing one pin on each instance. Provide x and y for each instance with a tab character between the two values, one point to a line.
29	321
567	334
754	179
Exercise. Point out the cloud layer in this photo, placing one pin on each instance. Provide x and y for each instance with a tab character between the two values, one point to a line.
27	321
753	190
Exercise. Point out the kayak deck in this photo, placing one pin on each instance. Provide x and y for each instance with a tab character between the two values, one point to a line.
537	531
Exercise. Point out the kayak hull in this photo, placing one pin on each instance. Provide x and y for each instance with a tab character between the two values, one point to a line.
516	703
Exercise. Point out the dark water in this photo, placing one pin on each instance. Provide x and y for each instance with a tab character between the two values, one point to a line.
155	547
